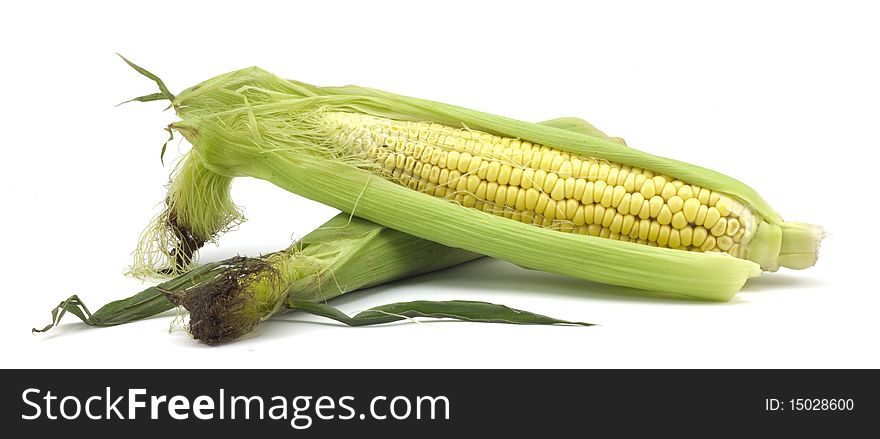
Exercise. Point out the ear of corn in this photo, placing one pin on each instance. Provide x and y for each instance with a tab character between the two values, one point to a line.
358	149
227	299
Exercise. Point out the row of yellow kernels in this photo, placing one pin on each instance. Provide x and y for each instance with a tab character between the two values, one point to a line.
570	192
626	229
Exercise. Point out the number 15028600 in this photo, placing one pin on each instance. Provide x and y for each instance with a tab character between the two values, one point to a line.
809	404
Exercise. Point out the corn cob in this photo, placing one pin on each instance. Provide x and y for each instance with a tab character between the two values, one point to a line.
604	211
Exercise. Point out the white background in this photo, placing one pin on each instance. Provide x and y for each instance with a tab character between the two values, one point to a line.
781	95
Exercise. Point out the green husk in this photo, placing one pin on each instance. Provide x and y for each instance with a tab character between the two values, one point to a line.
252	123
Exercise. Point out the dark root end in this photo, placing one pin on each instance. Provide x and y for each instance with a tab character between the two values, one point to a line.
181	256
224	309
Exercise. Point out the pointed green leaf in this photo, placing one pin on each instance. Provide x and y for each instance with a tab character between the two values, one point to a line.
162	88
466	310
145	98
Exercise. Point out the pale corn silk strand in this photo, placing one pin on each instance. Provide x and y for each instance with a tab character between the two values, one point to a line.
238	126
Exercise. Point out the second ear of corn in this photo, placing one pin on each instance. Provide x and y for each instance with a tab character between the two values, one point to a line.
466	179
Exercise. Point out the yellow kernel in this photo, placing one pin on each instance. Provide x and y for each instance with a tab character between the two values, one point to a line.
491	190
645	229
713	198
550	182
569	187
594	229
442	162
410	163
515	177
579	185
627	224
558	191
542	160
460	184
550	209
528	178
616	225
624	204
654	231
468	200
480	192
617	196
678	220
434	176
700	235
665	216
589	213
538	179
734	250
733	226
708	244
645	211
520	202
630	183
674	239
604	233
690	208
685	192
565	169
622	176
701	215
604	169
720	227
647	189
639	182
512	194
613	173
575	164
635	203
492	172
703	196
608	218
470	164
543	200
607	196
668	191
571	207
578	218
483	168
588	193
663	236
659	182
598	190
724	242
504	174
723	205
675	203
687	235
389	162
473	183
712	217
656	203
592	170
598	214
501	195
634	229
